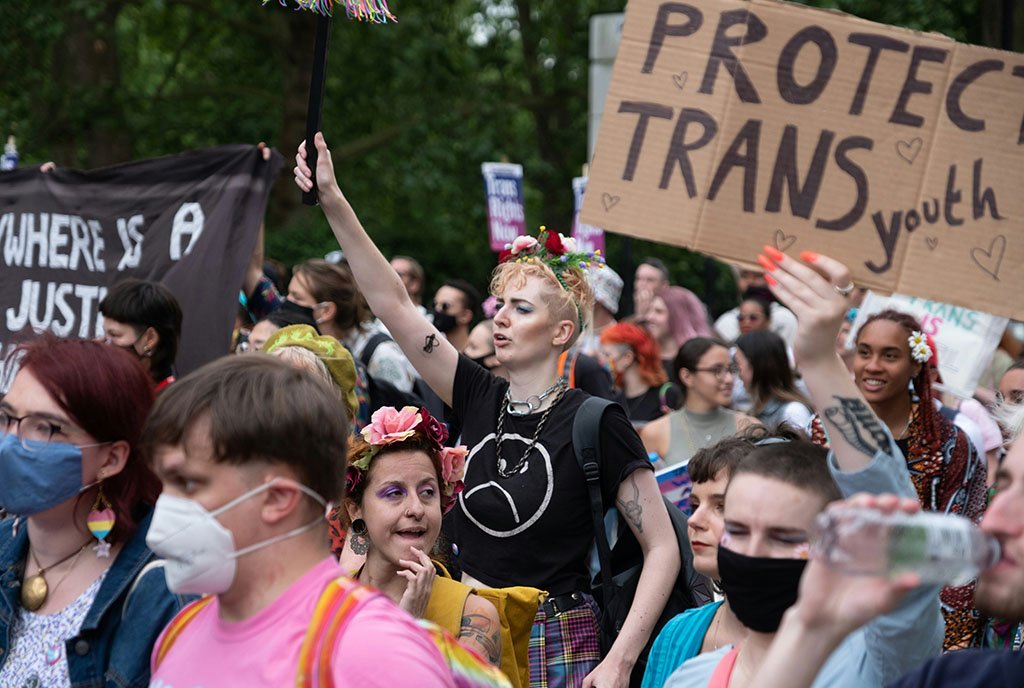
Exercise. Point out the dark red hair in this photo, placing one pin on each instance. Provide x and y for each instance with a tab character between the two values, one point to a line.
108	393
931	419
645	349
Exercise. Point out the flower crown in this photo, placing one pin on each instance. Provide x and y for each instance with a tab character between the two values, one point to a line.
388	425
919	349
555	250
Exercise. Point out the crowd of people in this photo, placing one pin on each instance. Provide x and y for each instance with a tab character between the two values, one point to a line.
379	488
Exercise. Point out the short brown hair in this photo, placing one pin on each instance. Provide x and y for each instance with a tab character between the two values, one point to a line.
328	282
800	463
726	454
259	409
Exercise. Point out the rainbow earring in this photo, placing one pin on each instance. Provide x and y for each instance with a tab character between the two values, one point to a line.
101	522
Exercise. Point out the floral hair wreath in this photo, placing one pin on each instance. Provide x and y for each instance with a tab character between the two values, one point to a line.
919	349
555	250
388	425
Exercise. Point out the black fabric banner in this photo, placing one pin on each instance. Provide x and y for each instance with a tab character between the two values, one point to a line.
189	221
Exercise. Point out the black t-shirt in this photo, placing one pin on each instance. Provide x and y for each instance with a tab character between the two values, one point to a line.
533	528
968	669
593	378
647	406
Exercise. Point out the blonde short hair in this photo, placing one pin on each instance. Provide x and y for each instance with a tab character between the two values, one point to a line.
568	298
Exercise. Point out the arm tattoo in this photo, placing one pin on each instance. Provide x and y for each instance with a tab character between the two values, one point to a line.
632	510
483	632
429	343
858	425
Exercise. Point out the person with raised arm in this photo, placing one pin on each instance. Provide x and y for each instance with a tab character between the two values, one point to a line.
524	516
774	497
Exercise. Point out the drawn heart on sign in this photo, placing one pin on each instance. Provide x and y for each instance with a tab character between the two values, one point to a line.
908	150
609	201
680	80
932	242
783	240
991	260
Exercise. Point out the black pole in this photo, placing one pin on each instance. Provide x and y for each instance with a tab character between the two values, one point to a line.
316	99
1008	21
710	275
626	273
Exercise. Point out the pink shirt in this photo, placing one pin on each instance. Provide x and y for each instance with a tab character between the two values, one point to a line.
381	646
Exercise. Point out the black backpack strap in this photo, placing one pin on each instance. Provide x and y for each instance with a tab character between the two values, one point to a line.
371	346
586	443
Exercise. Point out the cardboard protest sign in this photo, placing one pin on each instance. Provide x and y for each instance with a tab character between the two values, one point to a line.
189	221
966	338
732	124
588	237
675	485
506	214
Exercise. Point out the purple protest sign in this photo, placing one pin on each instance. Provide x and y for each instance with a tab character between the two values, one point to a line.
506	217
588	237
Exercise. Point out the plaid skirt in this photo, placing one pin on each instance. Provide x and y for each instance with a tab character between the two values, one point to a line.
565	647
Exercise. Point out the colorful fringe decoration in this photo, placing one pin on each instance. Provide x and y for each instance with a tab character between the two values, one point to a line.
372	11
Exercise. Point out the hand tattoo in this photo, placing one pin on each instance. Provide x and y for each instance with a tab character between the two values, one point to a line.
479	629
429	343
858	425
631	510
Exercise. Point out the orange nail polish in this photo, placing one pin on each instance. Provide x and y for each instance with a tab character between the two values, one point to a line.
774	253
771	281
809	256
766	263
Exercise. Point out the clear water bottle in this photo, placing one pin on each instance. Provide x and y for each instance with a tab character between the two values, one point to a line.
940	548
9	160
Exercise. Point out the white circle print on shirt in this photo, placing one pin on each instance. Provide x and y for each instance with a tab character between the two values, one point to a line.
504	507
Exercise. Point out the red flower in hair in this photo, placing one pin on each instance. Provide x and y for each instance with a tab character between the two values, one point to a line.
504	255
434	429
553	243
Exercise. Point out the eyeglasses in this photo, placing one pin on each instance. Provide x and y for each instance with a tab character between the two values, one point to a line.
1016	397
720	372
32	430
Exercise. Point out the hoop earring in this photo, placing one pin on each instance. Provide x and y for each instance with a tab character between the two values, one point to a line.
101	521
359	543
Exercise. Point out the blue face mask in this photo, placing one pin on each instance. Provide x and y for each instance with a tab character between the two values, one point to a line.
32	482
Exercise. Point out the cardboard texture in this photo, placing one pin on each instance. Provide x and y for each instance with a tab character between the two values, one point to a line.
730	125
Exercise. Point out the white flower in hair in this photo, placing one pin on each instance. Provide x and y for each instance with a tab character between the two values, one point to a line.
919	349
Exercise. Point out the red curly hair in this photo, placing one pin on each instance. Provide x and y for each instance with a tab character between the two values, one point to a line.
644	348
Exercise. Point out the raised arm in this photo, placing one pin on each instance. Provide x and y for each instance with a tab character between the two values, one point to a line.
816	288
429	352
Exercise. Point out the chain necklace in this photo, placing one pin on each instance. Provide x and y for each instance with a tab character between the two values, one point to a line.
514	406
35	589
503	469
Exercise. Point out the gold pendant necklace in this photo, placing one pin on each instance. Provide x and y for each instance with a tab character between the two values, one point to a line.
35	590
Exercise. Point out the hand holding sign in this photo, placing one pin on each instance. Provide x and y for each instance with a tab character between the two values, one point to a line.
813	288
894	151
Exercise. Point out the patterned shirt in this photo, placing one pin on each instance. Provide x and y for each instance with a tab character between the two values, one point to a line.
38	658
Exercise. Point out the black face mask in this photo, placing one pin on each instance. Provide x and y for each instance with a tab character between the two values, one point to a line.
444	322
288	306
759	589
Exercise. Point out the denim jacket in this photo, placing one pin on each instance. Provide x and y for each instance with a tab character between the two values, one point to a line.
113	646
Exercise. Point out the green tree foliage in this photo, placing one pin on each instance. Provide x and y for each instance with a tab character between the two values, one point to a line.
411	111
